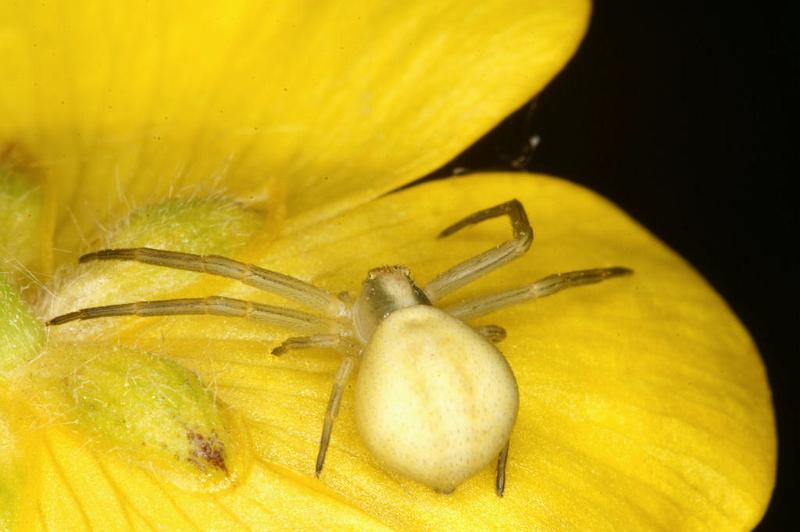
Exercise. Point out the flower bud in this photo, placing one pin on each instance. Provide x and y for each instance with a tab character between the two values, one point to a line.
197	225
21	334
148	409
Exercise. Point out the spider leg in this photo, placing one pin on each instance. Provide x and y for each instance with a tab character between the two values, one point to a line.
500	483
493	333
216	305
333	408
331	341
480	265
541	288
263	279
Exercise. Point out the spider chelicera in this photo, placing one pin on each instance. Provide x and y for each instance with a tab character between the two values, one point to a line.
434	399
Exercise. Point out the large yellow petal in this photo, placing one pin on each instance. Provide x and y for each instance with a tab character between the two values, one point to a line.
328	102
643	401
78	489
16	456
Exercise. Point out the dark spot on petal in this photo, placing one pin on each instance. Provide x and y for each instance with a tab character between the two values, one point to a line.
208	449
15	158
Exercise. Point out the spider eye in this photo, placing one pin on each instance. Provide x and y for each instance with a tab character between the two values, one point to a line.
388	271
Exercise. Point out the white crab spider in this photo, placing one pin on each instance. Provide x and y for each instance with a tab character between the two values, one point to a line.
434	399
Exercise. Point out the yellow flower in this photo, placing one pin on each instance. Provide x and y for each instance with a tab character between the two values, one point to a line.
271	132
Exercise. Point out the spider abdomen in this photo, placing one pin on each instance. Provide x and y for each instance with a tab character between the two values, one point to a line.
435	401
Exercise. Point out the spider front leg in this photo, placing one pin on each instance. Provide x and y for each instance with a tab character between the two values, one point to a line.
214	306
480	265
249	274
543	287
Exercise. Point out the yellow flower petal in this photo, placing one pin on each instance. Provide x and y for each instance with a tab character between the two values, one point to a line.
77	488
336	102
643	402
15	457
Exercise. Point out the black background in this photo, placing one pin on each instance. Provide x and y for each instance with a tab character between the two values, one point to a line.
684	115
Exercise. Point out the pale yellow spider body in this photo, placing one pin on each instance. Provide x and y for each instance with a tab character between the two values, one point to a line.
434	400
